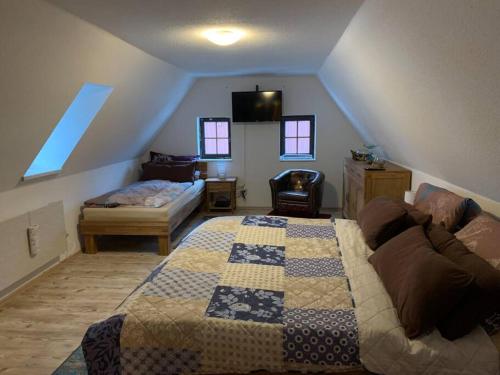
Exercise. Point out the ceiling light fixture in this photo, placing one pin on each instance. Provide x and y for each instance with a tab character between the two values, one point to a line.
223	37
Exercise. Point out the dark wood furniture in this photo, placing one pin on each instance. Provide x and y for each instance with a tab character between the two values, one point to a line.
297	191
361	185
221	194
88	229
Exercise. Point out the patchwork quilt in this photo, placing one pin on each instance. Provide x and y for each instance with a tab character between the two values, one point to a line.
239	294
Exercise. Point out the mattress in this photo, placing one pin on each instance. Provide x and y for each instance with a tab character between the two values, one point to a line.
131	213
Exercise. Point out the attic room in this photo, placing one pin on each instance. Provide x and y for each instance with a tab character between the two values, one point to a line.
249	187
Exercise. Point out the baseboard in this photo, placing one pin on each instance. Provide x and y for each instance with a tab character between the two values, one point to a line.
11	289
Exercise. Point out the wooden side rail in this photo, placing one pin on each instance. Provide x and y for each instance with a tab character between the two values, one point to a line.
90	229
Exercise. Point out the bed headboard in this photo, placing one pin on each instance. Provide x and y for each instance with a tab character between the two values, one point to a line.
202	166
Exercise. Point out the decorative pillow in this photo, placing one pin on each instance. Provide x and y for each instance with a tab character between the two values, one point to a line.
446	208
185	157
482	301
415	216
172	172
472	210
424	286
157	157
381	219
482	237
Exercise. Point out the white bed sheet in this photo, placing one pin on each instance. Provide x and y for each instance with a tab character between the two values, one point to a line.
384	349
131	213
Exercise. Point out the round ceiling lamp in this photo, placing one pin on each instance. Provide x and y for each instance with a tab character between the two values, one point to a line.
223	36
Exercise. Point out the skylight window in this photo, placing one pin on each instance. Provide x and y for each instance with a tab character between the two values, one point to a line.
70	129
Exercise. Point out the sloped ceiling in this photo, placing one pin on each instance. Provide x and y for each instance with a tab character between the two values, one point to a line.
282	36
422	79
46	54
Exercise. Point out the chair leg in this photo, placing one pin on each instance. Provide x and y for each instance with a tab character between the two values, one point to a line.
90	244
164	245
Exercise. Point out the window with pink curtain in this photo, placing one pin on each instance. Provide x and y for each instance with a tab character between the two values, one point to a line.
214	138
297	137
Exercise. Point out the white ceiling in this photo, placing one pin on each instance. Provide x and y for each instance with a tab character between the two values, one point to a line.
283	36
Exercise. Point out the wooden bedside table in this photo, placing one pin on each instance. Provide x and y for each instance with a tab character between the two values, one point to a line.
221	194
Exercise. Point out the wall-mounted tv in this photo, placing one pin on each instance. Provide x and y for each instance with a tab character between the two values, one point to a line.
256	106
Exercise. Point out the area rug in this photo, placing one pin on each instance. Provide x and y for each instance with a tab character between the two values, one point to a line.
320	216
75	363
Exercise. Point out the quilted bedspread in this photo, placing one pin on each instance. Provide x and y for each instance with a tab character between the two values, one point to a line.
239	294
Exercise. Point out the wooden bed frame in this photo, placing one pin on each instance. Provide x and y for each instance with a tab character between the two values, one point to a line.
88	229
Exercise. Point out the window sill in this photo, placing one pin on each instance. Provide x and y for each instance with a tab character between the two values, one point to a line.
41	175
284	158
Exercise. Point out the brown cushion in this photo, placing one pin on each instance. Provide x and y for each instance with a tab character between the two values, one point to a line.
424	286
482	301
381	219
415	216
172	172
291	195
446	208
482	237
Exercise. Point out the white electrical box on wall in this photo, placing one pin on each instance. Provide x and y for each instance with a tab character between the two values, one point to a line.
34	239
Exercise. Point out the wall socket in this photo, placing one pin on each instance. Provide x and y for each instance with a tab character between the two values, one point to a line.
34	239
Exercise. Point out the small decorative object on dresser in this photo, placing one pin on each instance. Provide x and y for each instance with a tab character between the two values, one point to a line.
361	184
221	193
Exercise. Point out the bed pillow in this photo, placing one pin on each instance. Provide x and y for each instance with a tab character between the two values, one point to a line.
158	157
381	219
415	216
173	172
423	285
446	208
185	157
483	299
482	237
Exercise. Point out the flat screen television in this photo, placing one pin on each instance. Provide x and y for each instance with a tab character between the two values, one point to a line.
256	106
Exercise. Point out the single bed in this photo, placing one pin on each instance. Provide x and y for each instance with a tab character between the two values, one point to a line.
144	221
275	295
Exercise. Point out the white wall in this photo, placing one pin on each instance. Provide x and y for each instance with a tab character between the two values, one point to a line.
73	190
46	55
422	79
255	147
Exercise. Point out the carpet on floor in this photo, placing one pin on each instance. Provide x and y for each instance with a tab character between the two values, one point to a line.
75	363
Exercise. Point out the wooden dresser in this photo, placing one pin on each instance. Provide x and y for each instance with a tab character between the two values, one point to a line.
362	185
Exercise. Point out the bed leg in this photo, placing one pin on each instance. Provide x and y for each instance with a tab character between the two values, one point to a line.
90	244
164	245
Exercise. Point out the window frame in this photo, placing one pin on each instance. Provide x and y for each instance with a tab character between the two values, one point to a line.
201	138
311	156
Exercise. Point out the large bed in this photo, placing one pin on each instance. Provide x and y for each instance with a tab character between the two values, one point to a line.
272	294
140	220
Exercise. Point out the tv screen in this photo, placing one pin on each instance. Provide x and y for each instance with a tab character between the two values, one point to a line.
256	106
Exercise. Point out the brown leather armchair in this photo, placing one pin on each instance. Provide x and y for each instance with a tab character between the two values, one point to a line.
299	191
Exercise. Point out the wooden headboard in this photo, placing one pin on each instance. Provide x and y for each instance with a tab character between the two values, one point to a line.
202	166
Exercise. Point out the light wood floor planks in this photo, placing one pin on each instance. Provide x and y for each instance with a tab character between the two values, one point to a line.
44	322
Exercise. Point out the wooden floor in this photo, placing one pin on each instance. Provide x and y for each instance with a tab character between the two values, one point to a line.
44	322
41	324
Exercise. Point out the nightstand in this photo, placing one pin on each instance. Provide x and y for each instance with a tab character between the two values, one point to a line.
221	194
